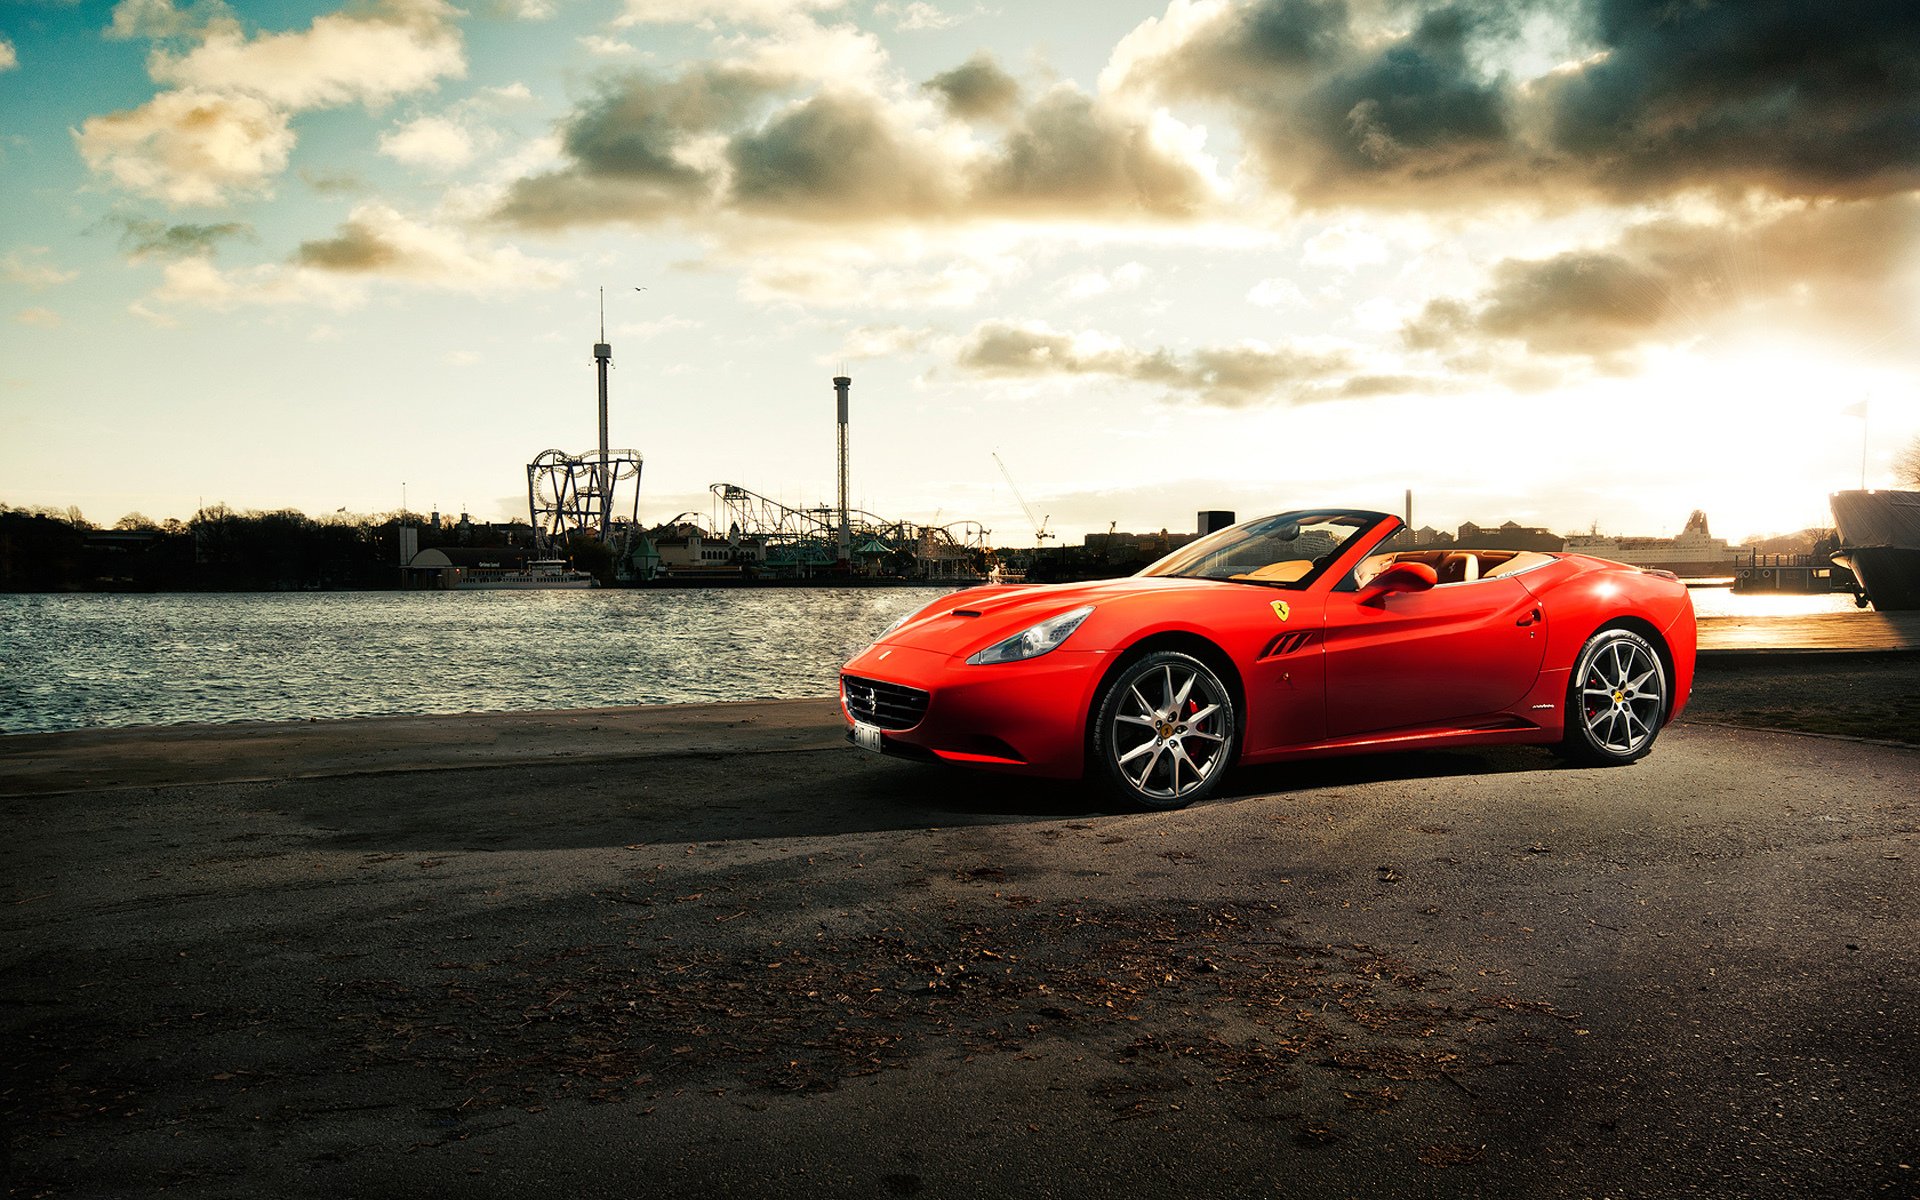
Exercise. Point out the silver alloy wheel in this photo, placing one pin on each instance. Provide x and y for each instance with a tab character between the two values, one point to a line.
1171	730
1622	693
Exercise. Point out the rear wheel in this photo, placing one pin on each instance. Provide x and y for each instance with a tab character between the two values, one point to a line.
1616	700
1163	732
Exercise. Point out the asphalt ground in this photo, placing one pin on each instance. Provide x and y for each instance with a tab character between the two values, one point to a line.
711	952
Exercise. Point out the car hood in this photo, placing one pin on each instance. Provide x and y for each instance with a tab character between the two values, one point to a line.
977	617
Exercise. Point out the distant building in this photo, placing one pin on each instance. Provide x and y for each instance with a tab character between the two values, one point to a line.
1509	536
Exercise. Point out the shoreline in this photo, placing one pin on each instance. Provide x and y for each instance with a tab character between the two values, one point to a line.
1871	695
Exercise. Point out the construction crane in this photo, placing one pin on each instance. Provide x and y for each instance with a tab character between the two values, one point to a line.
1040	531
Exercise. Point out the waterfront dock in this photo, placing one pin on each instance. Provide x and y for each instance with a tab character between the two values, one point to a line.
1812	633
710	950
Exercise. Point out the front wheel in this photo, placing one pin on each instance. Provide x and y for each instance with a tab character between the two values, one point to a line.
1163	731
1616	699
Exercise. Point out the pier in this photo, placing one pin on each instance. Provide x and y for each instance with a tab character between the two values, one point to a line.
1811	633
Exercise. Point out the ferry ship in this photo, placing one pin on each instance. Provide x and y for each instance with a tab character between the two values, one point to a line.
1695	554
540	573
1880	543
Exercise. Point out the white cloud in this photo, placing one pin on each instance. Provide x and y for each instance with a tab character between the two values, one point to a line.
368	57
606	47
1277	293
461	358
880	341
9	57
735	12
21	267
197	283
378	240
156	19
429	142
1344	248
914	16
189	147
39	318
1085	285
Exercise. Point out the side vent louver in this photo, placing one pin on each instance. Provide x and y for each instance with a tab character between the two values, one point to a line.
1287	643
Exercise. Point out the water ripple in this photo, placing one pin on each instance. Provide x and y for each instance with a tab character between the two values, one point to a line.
72	662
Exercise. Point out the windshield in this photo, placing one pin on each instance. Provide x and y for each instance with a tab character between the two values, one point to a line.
1289	550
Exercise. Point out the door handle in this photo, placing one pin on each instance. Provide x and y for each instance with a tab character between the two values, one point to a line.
1532	615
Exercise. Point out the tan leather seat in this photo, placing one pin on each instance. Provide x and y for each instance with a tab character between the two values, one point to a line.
1459	567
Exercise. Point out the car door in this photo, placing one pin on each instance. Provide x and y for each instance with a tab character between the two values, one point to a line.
1410	659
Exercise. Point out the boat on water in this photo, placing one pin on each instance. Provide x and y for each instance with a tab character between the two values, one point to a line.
539	573
490	568
1694	554
1880	543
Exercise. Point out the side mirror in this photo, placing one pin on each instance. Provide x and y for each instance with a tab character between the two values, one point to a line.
1400	577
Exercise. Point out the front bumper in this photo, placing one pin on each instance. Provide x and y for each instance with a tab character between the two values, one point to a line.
1027	717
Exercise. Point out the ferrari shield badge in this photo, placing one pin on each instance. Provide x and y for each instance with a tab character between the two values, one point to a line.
1281	610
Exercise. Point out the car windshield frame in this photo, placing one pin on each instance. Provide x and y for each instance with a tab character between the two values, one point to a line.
1212	557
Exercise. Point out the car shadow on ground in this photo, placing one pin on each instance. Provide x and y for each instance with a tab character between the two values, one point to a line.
807	796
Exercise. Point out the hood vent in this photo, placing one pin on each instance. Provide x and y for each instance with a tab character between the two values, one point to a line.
965	612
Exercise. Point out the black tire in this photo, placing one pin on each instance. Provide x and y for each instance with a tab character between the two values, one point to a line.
1164	732
1617	699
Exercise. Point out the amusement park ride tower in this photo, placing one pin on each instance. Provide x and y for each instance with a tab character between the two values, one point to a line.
840	385
579	493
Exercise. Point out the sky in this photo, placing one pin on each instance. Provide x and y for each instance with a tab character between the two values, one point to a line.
1573	263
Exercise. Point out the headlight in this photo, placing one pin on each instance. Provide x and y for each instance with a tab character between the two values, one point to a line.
1034	641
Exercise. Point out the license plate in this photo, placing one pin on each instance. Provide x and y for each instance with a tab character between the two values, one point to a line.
867	737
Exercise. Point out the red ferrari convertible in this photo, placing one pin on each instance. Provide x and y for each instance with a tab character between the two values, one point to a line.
1307	633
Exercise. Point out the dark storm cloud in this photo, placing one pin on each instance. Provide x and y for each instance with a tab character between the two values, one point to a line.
976	89
1806	99
1799	98
143	237
1222	376
1666	281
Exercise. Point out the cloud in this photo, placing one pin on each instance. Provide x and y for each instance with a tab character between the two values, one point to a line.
1836	267
1277	293
839	156
9	57
377	239
144	238
1411	106
429	142
710	142
634	148
1344	248
159	19
1069	155
189	147
197	283
880	341
1801	99
1085	285
977	89
1236	376
38	318
224	130
606	47
24	267
737	12
914	16
368	56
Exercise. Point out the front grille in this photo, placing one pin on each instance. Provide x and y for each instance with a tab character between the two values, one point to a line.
886	705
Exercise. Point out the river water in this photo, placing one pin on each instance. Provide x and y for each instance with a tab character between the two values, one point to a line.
78	661
73	662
